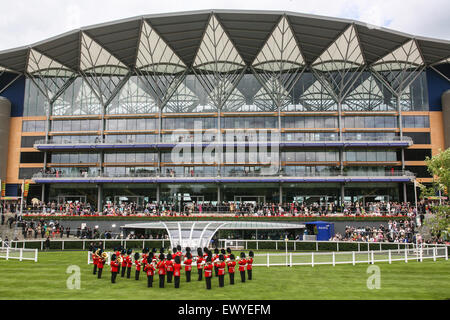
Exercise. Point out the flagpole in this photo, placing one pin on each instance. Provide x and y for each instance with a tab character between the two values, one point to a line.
415	195
21	199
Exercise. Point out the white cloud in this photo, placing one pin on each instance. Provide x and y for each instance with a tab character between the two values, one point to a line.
27	21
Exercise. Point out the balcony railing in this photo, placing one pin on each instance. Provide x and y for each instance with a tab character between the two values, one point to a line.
240	174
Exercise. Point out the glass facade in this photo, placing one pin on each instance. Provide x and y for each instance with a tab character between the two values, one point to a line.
320	112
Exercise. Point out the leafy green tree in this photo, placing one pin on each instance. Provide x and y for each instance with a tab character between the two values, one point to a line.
439	167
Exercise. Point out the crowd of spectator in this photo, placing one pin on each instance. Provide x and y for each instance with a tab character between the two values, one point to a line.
250	208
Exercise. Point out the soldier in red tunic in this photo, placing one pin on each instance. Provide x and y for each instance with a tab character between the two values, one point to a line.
231	264
242	262
188	264
138	266
95	258
249	265
169	268
215	259
161	266
144	254
227	256
177	271
205	253
200	263
124	262
179	252
221	270
117	252
100	263
150	270
114	268
208	271
129	263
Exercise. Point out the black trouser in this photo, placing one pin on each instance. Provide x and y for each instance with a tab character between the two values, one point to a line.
113	277
136	275
231	278
221	280
188	276
150	281
249	274
99	273
95	268
177	281
123	271
208	282
200	274
161	280
128	272
118	269
242	276
169	276
216	271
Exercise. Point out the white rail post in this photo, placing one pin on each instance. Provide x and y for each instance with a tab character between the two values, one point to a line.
35	255
380	247
390	256
359	246
295	245
337	246
246	245
446	253
334	259
42	245
290	259
373	260
421	253
268	264
20	254
434	254
257	246
62	245
84	245
353	257
317	246
89	257
143	244
7	253
23	246
398	248
368	257
406	256
312	259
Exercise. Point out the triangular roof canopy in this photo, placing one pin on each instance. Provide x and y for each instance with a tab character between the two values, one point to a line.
39	63
343	54
154	55
216	52
405	57
280	52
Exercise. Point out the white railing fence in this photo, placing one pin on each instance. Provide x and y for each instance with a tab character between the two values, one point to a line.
18	254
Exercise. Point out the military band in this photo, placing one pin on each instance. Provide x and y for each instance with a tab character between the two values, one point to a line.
224	261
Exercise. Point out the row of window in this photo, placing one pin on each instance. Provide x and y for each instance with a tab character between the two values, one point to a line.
308	156
130	157
132	124
76	125
370	122
415	122
370	155
309	122
75	157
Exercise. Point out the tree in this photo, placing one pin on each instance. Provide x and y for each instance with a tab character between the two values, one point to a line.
439	167
439	222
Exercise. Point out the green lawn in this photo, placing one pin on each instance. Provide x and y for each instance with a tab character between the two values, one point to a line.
46	279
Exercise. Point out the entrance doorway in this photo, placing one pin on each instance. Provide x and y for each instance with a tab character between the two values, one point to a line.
311	199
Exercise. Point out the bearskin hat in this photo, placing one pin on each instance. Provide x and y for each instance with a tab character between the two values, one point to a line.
178	247
150	256
199	252
188	249
123	251
251	254
169	256
177	260
242	255
232	256
113	257
205	249
208	258
188	255
136	256
174	249
145	250
129	251
216	251
161	256
161	250
221	257
228	250
222	251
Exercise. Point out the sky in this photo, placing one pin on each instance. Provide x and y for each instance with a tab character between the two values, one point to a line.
24	22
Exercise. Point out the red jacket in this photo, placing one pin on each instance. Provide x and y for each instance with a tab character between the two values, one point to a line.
169	265
208	270
249	263
161	267
100	263
138	265
124	261
188	265
114	266
231	265
242	264
94	258
150	269
221	266
176	269
129	262
199	263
